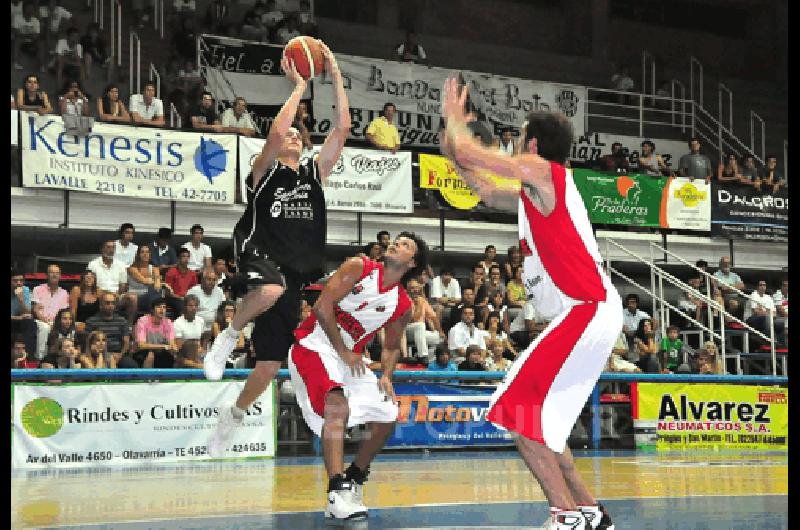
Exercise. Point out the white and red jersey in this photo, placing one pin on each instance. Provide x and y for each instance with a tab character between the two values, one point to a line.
561	261
367	308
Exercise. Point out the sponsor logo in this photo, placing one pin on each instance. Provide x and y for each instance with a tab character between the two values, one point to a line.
773	397
628	189
364	164
42	417
567	102
210	159
690	196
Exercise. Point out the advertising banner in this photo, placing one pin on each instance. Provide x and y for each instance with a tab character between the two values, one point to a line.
741	212
131	424
14	127
129	161
437	172
363	180
445	415
590	147
710	416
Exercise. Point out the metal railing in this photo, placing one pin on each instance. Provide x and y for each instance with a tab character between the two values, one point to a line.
97	12
753	118
174	116
154	74
648	59
115	30
134	37
667	111
695	64
158	17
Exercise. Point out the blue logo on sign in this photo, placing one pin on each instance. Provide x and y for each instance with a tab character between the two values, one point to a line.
210	159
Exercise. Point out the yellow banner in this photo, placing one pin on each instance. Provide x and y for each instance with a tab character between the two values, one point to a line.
437	172
714	416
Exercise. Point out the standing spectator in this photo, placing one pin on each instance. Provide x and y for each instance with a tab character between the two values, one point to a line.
757	310
49	298
70	61
382	132
489	258
16	8
781	300
773	178
237	119
83	298
162	253
179	280
645	347
465	333
218	17
445	293
651	163
145	108
116	328
27	31
110	107
94	49
631	317
441	360
209	297
622	82
97	355
729	171
305	19
204	116
144	280
384	239
374	251
200	253
410	51
726	279
617	160
155	338
52	18
22	321
289	30
20	357
124	248
750	174
474	359
31	98
671	350
189	326
112	276
693	165
513	259
424	328
505	144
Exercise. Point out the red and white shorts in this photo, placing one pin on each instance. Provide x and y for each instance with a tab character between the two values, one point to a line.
315	373
546	388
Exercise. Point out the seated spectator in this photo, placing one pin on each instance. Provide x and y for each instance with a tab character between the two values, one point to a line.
145	108
70	60
693	165
468	300
63	326
505	143
495	331
632	316
179	280
708	360
382	132
204	116
271	17
236	119
477	282
757	312
750	174
410	51
781	300
384	238
729	171
623	82
65	355
527	326
210	297
22	321
513	259
289	29
116	328
516	295
305	19
693	305
424	328
220	266
670	351
225	313
31	98
49	298
445	293
725	279
97	355
144	280
110	107
495	361
188	326
464	334
184	8
162	253
441	360
190	354
20	357
26	31
617	361
374	251
497	305
617	160
112	276
83	299
200	253
772	179
645	347
155	338
489	259
474	359
651	163
73	101
218	17
664	91
253	28
94	48
495	282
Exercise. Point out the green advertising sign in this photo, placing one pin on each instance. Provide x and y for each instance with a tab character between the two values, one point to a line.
633	200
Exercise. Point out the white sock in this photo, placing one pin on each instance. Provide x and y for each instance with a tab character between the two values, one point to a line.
237	412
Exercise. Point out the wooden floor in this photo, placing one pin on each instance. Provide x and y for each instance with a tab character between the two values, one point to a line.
455	489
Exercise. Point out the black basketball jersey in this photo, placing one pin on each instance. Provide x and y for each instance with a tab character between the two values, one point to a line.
285	219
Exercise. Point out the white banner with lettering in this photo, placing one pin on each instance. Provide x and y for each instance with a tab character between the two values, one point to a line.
131	424
363	180
14	127
688	204
129	161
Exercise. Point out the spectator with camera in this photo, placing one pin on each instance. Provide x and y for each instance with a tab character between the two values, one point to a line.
617	160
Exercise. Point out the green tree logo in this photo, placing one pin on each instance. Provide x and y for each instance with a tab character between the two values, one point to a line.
42	417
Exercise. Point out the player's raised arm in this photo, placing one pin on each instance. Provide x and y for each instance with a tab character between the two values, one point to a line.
280	126
334	143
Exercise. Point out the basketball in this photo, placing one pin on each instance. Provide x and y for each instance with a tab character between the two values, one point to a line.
307	56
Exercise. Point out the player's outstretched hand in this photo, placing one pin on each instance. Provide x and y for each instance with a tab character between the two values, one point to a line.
291	72
455	99
331	66
355	361
386	388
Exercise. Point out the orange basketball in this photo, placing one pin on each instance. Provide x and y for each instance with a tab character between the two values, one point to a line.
307	56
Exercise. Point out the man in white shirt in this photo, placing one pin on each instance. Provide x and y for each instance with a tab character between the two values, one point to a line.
526	326
758	308
27	30
189	325
112	276
124	248
199	253
445	293
237	119
631	316
209	297
465	333
145	108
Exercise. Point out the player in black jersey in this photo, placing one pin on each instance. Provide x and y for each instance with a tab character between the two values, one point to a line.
279	244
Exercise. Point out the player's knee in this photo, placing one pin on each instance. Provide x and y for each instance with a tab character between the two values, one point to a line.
335	404
266	371
268	294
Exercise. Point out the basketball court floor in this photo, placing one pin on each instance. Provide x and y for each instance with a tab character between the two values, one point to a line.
643	491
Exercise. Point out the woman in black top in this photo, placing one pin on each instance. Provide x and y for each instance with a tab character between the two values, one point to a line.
29	97
110	107
83	298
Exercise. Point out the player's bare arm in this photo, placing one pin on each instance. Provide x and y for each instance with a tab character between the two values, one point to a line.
281	123
532	171
391	350
334	143
337	287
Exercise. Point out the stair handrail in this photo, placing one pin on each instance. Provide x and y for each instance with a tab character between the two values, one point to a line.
133	36
154	73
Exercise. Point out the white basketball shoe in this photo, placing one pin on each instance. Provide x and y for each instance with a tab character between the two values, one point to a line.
217	356
566	520
223	432
343	502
